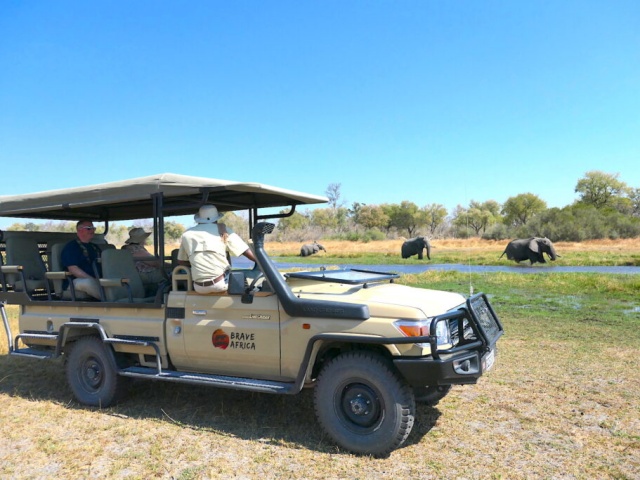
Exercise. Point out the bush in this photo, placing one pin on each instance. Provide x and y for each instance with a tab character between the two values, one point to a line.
499	231
369	235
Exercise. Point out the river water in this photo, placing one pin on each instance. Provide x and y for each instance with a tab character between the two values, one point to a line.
423	267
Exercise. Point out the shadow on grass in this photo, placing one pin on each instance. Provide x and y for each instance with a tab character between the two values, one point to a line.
285	420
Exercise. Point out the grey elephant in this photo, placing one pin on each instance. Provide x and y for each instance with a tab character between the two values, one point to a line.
310	249
531	249
415	246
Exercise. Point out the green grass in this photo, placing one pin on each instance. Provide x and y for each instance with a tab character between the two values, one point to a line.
621	258
563	401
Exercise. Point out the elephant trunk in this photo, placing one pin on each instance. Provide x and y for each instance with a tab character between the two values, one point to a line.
428	251
552	253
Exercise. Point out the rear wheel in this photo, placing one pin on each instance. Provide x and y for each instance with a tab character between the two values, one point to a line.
92	373
363	404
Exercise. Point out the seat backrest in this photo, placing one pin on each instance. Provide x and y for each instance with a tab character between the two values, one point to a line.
55	265
118	264
174	258
26	253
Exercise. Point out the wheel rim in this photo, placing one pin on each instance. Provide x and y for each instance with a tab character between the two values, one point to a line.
91	374
359	406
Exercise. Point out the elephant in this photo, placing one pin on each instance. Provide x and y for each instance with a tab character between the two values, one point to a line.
310	249
416	246
531	249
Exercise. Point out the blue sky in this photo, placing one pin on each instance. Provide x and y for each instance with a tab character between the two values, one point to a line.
428	101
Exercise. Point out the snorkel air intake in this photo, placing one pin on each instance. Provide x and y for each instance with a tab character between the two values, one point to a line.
294	306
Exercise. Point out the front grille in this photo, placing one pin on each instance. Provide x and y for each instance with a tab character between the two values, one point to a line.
485	317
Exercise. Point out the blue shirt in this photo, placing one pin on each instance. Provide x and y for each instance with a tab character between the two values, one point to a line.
82	255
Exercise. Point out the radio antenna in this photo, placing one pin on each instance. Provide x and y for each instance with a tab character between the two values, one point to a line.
469	246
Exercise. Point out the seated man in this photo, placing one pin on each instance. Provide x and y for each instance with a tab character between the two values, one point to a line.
78	257
204	247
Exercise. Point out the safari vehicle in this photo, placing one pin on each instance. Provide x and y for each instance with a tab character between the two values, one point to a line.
369	347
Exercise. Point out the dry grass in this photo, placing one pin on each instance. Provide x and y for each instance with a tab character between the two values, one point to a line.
471	251
392	247
563	401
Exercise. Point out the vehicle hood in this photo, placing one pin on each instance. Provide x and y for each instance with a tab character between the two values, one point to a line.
384	300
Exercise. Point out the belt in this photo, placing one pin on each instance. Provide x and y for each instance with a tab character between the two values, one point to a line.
208	283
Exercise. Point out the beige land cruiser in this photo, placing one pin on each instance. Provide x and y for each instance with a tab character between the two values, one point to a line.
369	347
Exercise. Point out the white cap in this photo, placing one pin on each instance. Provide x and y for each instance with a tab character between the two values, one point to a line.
207	214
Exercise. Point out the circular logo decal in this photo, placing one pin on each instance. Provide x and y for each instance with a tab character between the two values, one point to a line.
220	339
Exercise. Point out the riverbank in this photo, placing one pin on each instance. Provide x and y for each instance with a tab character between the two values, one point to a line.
624	252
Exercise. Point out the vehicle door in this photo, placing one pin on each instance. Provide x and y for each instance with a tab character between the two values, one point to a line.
224	336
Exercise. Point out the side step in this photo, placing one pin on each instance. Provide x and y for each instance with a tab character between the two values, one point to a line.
236	383
33	353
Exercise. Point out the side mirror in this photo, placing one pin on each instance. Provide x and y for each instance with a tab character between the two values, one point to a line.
236	283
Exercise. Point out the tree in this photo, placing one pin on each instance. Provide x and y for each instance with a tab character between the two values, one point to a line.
388	209
520	209
118	233
324	218
297	221
634	196
473	218
49	226
405	217
490	206
173	231
434	216
341	216
237	223
333	194
459	221
371	216
478	216
600	189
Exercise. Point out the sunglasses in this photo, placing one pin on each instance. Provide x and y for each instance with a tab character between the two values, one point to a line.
87	228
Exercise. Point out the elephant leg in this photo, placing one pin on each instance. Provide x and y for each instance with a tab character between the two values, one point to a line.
420	256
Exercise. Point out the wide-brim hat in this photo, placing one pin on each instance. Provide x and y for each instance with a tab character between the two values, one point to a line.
207	214
137	235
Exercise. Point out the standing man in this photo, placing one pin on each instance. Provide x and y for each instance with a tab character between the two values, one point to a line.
204	247
78	258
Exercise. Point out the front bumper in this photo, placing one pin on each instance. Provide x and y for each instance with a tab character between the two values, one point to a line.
452	369
476	330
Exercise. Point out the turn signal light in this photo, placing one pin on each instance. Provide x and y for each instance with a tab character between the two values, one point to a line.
413	330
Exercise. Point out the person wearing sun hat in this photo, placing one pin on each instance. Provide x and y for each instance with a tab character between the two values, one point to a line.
148	266
204	248
137	236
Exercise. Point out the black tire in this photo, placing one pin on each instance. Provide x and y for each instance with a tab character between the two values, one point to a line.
92	373
431	395
363	404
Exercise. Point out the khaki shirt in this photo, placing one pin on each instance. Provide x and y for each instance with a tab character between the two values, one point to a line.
203	247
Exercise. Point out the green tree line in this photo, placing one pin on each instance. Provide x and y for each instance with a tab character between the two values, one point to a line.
606	208
117	233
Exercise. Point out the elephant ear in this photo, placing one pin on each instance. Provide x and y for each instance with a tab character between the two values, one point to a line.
533	245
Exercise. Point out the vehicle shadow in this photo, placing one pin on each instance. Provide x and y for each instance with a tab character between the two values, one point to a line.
274	419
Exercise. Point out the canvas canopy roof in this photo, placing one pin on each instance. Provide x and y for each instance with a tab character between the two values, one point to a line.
135	198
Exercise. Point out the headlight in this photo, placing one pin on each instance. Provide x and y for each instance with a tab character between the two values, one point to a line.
444	334
421	329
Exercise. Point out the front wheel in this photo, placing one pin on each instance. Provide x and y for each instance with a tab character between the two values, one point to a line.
363	404
92	373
